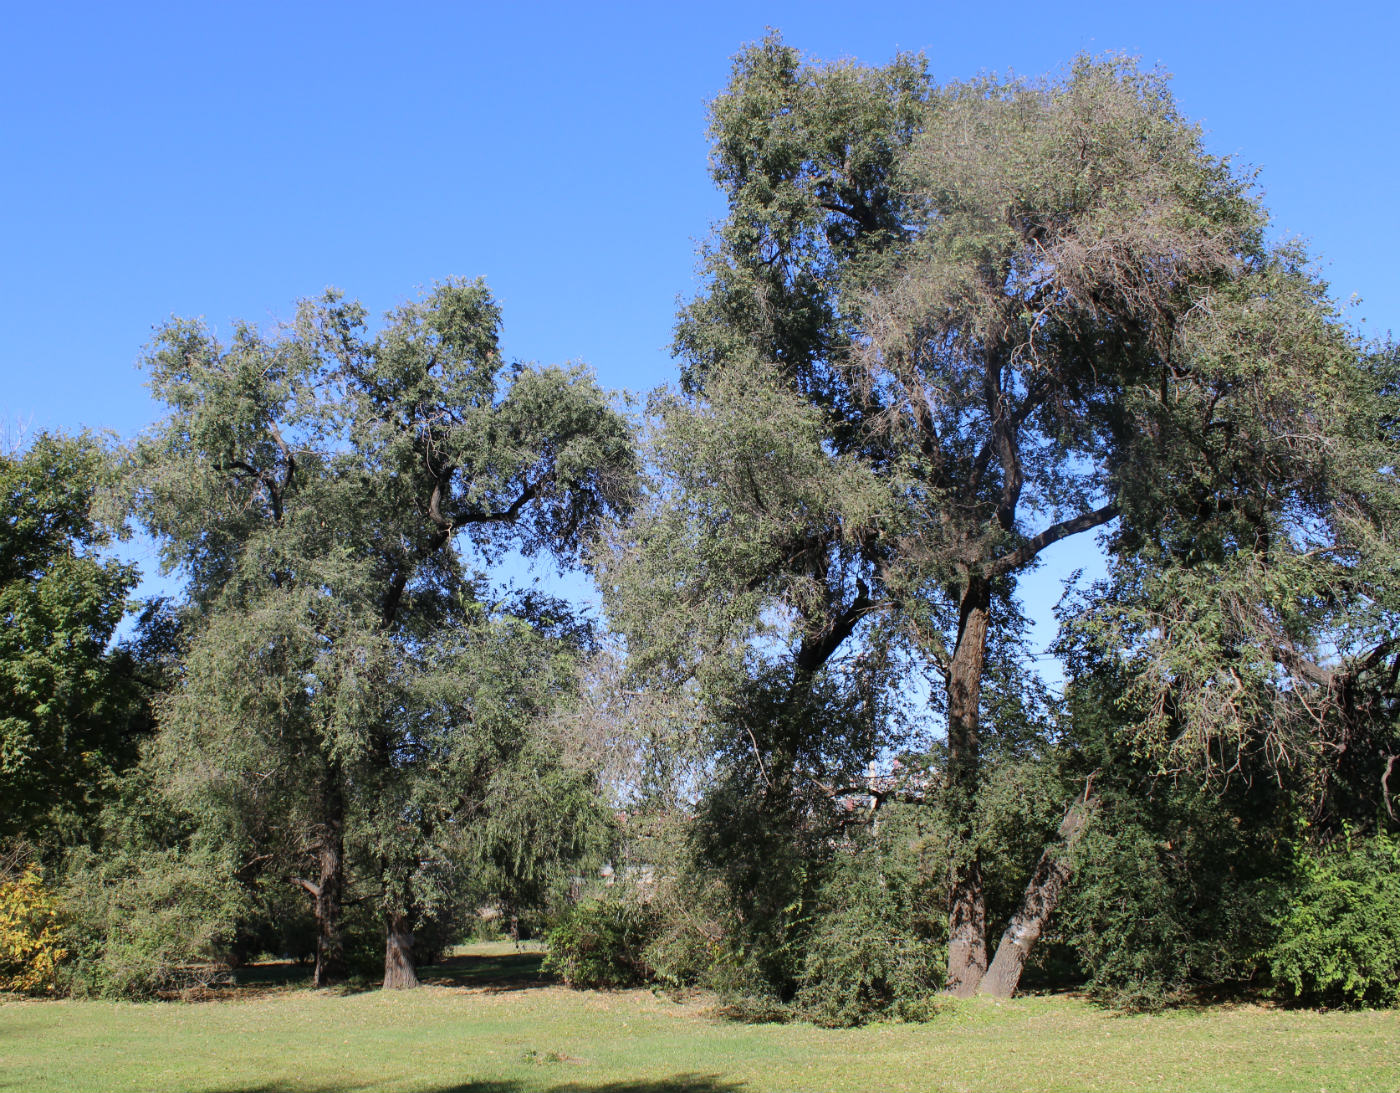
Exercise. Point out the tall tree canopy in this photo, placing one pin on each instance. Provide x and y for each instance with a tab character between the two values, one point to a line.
947	327
353	684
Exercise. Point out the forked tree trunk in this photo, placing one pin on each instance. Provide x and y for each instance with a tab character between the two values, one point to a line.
1042	894
399	970
967	912
329	889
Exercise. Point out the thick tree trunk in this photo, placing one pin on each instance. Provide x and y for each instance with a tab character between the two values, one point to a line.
967	931
1042	895
399	970
330	887
967	912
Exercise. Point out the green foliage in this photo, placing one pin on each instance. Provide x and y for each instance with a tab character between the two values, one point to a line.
942	328
148	922
829	918
1173	892
872	949
602	940
1177	876
70	710
359	705
153	906
1249	597
1337	936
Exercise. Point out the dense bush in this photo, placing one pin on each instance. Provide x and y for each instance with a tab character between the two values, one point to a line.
1338	940
875	946
841	929
1173	890
1177	875
155	907
602	941
31	936
152	921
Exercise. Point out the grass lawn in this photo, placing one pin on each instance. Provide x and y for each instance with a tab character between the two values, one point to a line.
490	1023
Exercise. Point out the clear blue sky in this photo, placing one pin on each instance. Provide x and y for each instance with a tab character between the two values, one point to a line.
224	159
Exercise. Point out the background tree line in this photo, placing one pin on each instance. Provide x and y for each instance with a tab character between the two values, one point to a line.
942	328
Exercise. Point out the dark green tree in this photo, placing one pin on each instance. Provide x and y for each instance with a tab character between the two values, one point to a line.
72	708
352	677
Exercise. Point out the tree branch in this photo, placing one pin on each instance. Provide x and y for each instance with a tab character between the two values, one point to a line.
813	654
290	465
302	882
861	217
440	482
506	515
268	483
1053	534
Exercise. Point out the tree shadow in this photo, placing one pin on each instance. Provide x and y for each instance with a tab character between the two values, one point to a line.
268	974
496	972
273	976
676	1083
492	972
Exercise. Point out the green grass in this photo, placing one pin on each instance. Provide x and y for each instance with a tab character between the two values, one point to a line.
489	1022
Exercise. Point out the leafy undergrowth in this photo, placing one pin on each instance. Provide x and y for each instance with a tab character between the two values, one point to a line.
488	1022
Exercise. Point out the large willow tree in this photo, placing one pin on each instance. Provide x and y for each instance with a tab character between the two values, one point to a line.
354	685
947	327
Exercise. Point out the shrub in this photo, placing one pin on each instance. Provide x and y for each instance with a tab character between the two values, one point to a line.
1338	940
31	944
601	942
147	922
1173	890
873	949
863	963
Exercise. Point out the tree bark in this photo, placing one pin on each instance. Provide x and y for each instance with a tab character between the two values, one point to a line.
967	930
1042	895
967	911
399	970
330	888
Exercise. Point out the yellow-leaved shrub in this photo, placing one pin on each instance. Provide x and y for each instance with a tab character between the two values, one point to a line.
30	933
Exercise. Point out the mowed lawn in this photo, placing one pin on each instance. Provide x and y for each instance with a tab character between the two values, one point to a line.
490	1024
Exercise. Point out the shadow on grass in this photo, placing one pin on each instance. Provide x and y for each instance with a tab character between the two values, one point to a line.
497	972
677	1083
494	972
